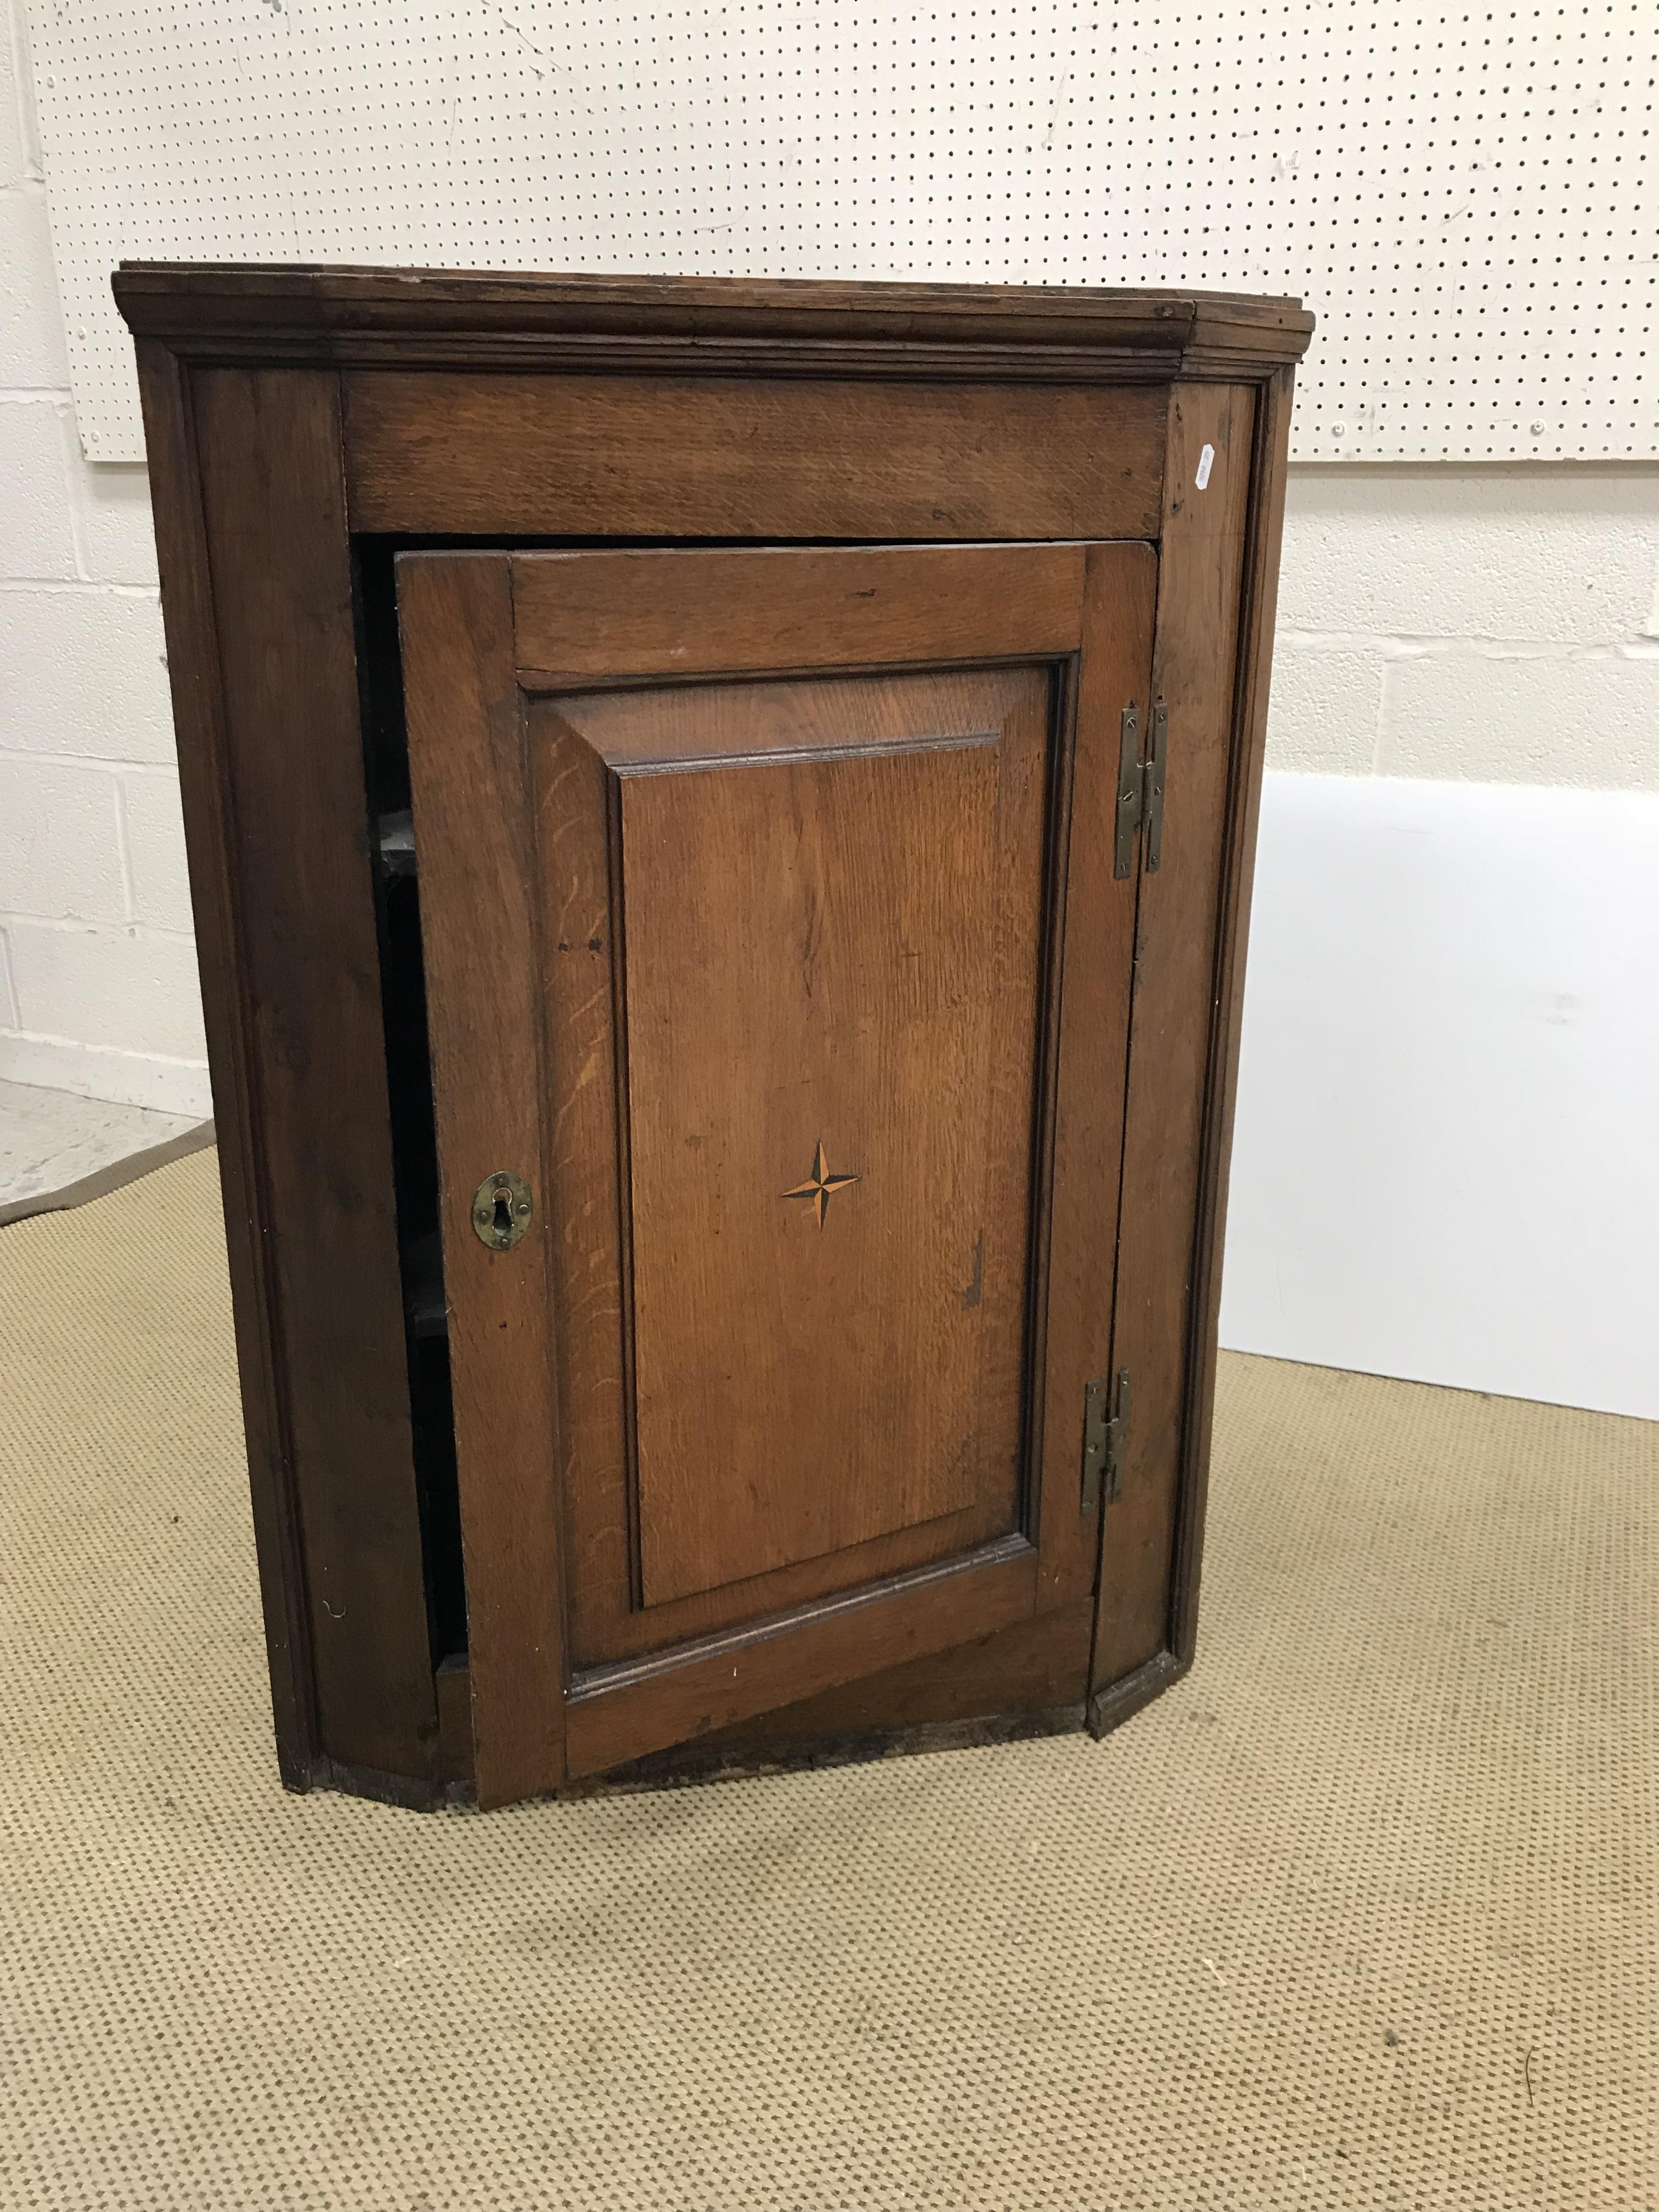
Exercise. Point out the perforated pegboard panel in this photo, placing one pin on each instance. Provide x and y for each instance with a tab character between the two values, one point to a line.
1463	197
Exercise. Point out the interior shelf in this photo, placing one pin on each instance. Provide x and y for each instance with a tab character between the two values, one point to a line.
397	843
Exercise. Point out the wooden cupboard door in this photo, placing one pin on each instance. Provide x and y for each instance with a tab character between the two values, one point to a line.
751	883
815	1045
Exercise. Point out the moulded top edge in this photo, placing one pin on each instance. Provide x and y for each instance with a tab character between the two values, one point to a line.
206	308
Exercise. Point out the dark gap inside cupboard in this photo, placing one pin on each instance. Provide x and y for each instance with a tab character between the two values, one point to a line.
409	1085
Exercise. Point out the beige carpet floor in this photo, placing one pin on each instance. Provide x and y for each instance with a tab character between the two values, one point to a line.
1363	1914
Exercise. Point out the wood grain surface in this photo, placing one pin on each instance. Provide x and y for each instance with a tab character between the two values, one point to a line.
743	457
296	809
1029	1677
707	325
618	1714
1096	951
792	941
222	923
1259	598
573	745
625	615
474	840
1193	671
830	961
286	408
728	1030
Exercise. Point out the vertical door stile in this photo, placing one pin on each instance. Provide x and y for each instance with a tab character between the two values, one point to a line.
1113	671
473	839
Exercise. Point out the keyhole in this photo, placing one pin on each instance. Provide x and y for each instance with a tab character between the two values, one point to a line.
501	1210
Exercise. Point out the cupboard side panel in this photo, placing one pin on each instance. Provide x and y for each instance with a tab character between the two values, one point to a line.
1264	534
1194	668
220	927
310	1023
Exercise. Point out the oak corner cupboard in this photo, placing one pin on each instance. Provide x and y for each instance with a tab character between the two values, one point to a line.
719	818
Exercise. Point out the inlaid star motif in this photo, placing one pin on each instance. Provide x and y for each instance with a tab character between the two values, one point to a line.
820	1183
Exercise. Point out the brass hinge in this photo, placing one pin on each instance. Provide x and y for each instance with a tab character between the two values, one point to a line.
1105	1439
1141	787
1156	751
1131	787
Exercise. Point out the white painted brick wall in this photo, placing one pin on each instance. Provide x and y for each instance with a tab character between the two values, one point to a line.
1491	625
63	841
117	991
1498	625
98	989
153	840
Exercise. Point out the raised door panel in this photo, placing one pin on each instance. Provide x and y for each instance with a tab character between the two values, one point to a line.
796	934
801	990
831	921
